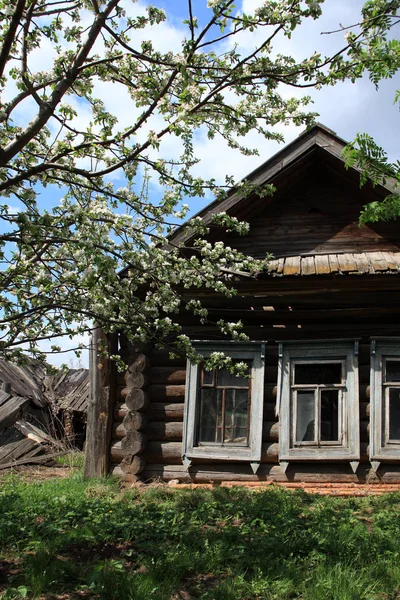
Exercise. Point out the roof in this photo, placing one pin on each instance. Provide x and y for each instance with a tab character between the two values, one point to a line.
318	136
337	264
26	380
70	390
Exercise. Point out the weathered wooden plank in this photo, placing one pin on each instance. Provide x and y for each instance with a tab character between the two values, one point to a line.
280	266
11	410
333	263
307	265
378	261
33	460
322	266
292	266
347	264
362	263
273	265
393	260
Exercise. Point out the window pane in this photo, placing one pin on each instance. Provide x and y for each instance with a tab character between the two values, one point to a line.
208	377
329	415
226	379
394	413
318	373
236	416
210	421
393	370
305	416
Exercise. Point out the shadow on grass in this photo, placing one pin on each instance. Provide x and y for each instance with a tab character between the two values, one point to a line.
90	540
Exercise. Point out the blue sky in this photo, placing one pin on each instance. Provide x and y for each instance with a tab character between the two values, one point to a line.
346	108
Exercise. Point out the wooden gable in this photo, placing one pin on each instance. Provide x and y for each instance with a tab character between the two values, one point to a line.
314	211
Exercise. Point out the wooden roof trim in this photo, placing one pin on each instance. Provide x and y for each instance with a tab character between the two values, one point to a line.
360	263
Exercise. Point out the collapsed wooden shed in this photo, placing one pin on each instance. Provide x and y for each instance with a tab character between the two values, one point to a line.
40	415
323	400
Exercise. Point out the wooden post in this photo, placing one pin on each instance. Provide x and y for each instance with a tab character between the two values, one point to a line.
102	395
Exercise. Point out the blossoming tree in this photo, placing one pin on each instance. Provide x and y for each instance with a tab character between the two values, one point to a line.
60	265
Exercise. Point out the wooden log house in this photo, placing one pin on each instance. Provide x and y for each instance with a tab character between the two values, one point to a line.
322	404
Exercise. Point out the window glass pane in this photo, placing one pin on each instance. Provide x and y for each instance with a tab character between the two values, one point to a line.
318	373
226	379
210	420
393	370
394	413
236	416
329	415
305	416
208	377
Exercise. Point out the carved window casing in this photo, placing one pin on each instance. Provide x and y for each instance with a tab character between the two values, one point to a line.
385	401
317	402
223	412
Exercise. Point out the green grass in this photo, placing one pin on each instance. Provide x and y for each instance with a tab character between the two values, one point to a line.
79	539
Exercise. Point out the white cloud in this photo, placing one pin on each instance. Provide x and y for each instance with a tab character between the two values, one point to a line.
67	355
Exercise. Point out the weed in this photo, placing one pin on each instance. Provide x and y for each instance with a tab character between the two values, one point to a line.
79	537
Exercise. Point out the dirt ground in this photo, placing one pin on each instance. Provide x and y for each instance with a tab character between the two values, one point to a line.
39	472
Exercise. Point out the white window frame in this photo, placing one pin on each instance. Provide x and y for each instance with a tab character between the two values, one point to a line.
250	351
380	447
348	445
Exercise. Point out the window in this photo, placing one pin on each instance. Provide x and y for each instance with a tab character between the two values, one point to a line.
318	401
385	401
223	412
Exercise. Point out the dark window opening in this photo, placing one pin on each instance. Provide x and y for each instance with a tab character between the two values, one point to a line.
224	407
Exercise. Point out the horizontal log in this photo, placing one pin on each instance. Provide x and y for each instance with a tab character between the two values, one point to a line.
155	431
308	331
163	375
134	442
166	411
171	452
165	431
241	472
160	358
171	431
164	452
318	315
163	392
137	400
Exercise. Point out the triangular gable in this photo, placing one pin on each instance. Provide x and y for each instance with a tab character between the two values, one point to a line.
318	138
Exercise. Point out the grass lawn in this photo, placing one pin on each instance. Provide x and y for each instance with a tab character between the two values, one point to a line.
68	539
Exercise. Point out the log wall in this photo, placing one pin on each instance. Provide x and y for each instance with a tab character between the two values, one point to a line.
148	418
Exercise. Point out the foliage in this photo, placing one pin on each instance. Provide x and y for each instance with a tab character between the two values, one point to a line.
88	538
380	55
60	265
